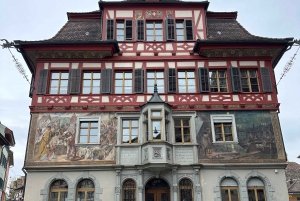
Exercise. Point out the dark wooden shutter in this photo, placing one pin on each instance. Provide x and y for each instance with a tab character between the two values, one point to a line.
170	28
203	80
140	30
74	81
31	87
110	29
189	29
235	78
139	80
128	27
42	82
171	75
266	79
106	81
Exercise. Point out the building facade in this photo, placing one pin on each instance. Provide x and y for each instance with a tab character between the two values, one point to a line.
6	157
154	101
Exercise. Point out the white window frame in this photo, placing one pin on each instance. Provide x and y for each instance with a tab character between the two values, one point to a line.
128	116
83	119
184	115
224	118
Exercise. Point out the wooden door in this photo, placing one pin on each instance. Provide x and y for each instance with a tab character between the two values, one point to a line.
158	194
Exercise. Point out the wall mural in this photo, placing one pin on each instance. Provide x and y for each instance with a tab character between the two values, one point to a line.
55	138
255	137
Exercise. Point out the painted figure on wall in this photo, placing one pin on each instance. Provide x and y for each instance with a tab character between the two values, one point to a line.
55	138
255	136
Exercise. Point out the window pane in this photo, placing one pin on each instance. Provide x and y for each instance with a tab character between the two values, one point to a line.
159	75
125	139
64	83
63	90
83	139
150	74
149	25
118	90
179	32
84	124
86	75
234	195
94	132
150	38
251	194
118	83
63	196
150	32
83	131
53	90
93	139
260	195
96	90
54	83
128	75
86	83
158	25
64	75
158	38
224	195
55	76
134	123
126	131
119	75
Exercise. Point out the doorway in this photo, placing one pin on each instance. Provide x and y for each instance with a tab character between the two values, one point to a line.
157	190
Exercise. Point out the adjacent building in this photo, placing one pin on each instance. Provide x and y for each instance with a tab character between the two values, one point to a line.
292	174
154	100
7	140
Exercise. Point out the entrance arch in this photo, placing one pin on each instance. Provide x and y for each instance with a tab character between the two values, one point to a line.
157	190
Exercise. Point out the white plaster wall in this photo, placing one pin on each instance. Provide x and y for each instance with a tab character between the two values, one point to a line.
209	180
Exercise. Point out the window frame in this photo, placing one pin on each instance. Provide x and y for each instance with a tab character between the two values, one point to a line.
85	190
157	119
218	81
87	119
127	188
248	77
184	115
130	129
224	118
58	190
125	115
123	81
181	187
228	188
255	188
125	28
155	80
91	81
154	29
59	82
186	80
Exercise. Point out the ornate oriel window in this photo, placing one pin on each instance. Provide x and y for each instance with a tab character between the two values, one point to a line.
91	83
256	190
130	131
182	130
218	81
186	190
129	190
249	81
123	82
155	77
59	83
186	82
85	190
229	190
58	191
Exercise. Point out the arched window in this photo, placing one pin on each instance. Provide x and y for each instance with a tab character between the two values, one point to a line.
229	190
256	190
59	191
186	190
129	190
85	190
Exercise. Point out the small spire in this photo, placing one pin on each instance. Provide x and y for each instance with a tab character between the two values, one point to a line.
155	88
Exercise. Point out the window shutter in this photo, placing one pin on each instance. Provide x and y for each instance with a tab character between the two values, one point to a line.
128	27
139	80
235	79
1	183
74	81
31	87
42	82
189	29
106	81
140	30
266	79
170	28
171	75
203	80
110	29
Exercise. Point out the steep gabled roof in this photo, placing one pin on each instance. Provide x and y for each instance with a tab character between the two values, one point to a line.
292	174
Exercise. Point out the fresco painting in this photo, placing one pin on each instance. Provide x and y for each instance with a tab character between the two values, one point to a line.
56	135
255	137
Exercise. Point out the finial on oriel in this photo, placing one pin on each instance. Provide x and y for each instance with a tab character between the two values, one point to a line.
155	88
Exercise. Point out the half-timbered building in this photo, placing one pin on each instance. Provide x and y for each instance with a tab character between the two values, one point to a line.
154	100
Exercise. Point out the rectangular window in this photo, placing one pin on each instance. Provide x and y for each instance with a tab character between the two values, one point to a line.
123	82
88	132
155	77
120	31
229	193
223	128
180	33
156	119
59	83
249	81
124	30
154	31
130	131
91	83
182	130
186	82
218	81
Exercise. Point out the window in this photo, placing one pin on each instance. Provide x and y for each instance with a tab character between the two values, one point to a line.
256	190
182	130
218	81
59	83
59	191
184	30
129	190
249	81
130	131
156	119
154	31
88	131
229	190
155	77
124	30
123	82
186	82
91	83
223	128
85	190
186	190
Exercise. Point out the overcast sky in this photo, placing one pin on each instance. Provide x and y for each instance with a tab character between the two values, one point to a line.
37	20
